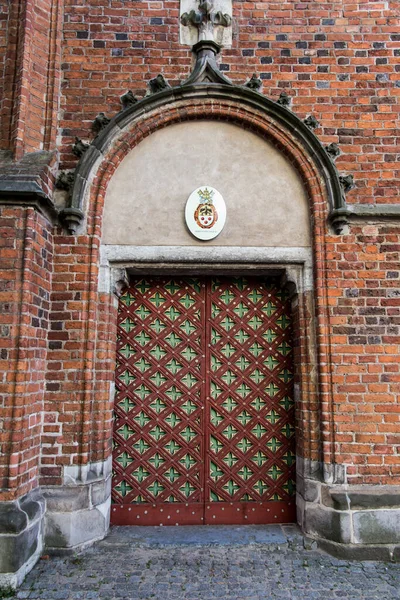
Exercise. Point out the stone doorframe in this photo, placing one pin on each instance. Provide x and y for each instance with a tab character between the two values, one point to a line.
294	268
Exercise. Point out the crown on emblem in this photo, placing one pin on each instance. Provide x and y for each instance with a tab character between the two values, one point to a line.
206	195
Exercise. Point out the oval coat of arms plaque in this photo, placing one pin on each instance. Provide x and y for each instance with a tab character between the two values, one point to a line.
205	213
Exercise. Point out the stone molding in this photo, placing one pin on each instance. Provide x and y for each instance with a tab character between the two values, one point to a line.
207	82
29	181
374	212
360	522
20	194
169	97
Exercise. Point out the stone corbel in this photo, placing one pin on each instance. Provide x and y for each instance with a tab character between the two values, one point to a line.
119	281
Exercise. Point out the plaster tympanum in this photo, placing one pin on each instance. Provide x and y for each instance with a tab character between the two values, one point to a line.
265	200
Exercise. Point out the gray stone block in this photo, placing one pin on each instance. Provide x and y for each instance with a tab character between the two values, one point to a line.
76	529
334	473
327	523
377	526
338	499
300	484
300	508
21	537
396	554
16	550
312	490
33	504
67	498
12	518
101	491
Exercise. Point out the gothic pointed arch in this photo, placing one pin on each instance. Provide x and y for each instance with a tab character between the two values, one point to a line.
208	94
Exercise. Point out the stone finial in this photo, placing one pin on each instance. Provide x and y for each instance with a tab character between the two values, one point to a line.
347	182
206	16
333	150
128	99
100	122
284	99
255	83
65	181
311	122
79	147
158	84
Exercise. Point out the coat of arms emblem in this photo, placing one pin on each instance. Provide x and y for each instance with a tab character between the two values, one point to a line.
205	213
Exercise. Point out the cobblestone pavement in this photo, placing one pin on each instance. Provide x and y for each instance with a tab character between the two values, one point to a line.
226	563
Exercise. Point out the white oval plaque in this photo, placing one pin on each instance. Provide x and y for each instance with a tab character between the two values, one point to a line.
205	213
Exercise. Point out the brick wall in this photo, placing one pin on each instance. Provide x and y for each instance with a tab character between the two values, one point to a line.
4	16
25	280
72	336
81	361
30	52
364	299
8	52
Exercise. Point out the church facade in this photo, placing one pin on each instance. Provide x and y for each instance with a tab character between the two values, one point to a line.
200	305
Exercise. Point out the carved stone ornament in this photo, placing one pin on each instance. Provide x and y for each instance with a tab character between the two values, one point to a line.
128	99
79	147
311	122
100	122
65	181
209	20
255	83
333	150
347	182
284	99
158	84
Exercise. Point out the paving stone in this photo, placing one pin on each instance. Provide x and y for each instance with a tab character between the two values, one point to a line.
224	563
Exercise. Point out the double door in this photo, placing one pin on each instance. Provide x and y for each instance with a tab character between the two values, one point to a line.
204	410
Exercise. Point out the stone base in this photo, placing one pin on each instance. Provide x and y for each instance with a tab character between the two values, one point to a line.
351	522
21	537
78	512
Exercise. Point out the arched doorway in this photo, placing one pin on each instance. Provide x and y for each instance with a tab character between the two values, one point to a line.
209	441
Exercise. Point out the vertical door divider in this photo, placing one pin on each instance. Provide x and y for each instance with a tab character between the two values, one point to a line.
207	387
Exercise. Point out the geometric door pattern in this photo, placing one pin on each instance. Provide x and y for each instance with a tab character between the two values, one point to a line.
251	413
204	412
